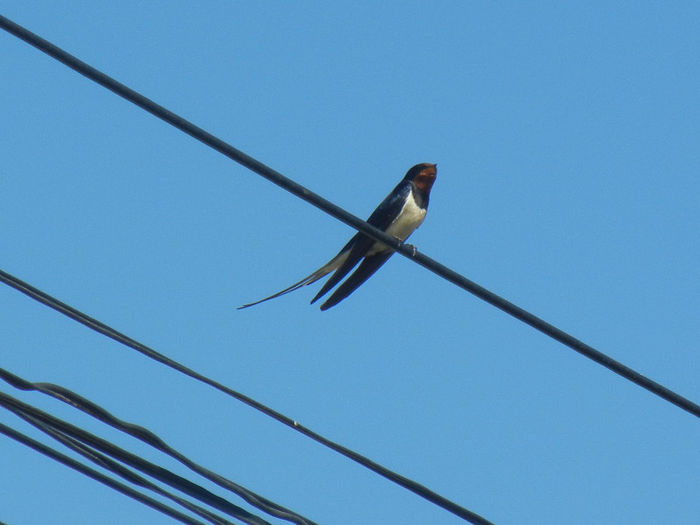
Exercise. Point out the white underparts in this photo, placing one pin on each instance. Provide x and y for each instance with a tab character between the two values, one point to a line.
410	217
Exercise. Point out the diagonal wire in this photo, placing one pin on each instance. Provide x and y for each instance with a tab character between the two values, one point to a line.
96	475
145	435
96	443
346	217
115	467
103	329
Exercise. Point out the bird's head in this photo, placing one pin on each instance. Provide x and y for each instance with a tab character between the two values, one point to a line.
423	176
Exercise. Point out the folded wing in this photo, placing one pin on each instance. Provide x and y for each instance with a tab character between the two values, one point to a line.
370	265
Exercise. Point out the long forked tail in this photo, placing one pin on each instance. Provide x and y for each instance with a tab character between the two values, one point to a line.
366	269
352	255
318	274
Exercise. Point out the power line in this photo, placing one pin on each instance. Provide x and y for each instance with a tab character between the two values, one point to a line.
76	401
113	466
346	217
110	332
112	457
96	475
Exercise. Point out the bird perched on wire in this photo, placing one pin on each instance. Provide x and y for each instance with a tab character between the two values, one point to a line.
399	214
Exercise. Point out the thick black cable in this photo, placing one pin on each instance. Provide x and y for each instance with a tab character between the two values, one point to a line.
145	435
134	461
97	476
113	466
102	328
342	215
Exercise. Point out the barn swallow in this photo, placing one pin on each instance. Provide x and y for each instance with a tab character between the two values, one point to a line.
399	214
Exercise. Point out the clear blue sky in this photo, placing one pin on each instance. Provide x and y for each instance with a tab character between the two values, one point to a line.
567	138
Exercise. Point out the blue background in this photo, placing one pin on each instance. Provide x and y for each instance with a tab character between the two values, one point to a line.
567	137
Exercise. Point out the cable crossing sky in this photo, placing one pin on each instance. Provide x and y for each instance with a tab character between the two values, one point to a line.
346	217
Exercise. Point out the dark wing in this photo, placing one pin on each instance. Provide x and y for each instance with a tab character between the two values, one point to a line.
390	207
364	271
381	218
360	245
